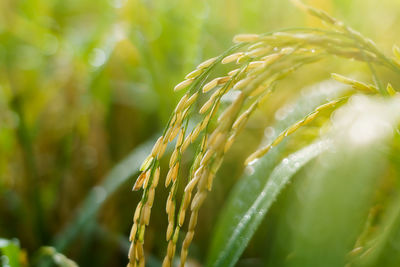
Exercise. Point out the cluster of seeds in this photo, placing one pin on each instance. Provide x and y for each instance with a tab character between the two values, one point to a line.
261	61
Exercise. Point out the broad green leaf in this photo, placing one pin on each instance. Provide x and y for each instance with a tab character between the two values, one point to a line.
228	250
336	193
340	187
10	253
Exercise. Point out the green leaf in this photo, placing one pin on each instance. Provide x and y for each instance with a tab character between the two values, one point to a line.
231	241
339	193
10	253
335	195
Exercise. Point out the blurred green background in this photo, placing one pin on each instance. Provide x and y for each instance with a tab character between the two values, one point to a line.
83	84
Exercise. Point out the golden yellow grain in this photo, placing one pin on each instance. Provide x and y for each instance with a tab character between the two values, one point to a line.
181	103
163	147
146	163
186	143
244	38
355	84
146	214
293	128
194	74
133	232
172	174
195	133
242	83
183	85
196	204
207	105
170	230
174	133
207	63
150	198
156	177
132	253
256	64
233	72
190	186
192	99
146	179
207	156
137	212
140	180
229	143
311	117
232	58
210	85
174	158
390	90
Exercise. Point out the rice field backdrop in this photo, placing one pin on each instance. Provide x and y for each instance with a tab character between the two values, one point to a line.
281	149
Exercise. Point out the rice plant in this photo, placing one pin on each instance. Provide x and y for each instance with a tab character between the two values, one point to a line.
215	110
280	151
